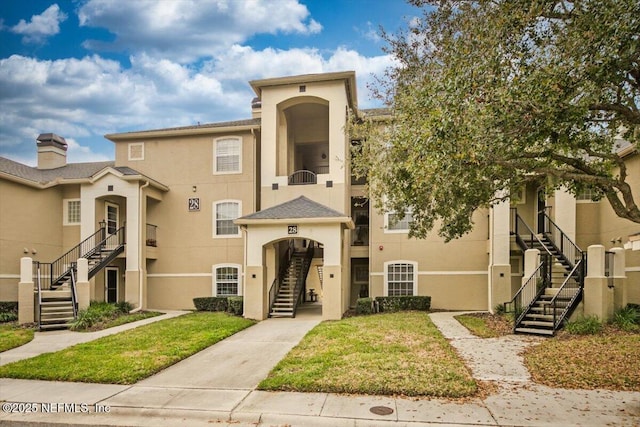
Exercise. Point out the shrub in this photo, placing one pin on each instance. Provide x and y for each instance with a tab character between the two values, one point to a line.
211	303
8	311
589	325
364	306
235	305
124	307
392	304
500	309
628	318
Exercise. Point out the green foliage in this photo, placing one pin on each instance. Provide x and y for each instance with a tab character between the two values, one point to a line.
500	309
393	304
364	306
588	325
8	311
235	305
477	114
12	336
211	303
97	313
628	318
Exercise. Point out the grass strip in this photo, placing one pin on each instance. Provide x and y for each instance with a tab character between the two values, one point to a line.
477	326
383	354
122	320
132	355
12	336
607	361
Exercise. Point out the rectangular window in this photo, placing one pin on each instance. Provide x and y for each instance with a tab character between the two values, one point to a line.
397	222
72	212
225	213
226	281
136	151
586	195
400	279
227	155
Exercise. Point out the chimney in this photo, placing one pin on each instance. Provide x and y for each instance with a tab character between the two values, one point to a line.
256	108
52	151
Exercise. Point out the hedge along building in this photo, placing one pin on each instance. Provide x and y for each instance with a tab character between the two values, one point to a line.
265	208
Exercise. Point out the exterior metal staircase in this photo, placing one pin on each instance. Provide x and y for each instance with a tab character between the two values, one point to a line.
56	281
555	288
289	287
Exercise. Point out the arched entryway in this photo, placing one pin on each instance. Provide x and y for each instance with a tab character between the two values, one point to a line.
268	235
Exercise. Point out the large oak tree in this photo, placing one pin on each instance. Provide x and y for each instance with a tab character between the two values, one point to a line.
487	96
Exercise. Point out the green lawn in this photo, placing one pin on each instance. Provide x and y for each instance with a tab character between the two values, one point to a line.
12	336
387	354
132	355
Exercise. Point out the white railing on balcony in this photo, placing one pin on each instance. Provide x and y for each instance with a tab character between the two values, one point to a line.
303	177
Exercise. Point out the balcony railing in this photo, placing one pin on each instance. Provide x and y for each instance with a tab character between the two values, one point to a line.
303	177
151	235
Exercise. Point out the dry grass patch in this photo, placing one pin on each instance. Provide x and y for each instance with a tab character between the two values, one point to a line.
386	354
486	325
608	360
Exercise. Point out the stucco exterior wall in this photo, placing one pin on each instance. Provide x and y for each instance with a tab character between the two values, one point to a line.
29	219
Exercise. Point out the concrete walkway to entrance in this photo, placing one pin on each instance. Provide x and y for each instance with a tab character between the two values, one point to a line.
217	386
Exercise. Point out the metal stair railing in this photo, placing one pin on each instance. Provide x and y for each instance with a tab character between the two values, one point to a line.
518	226
302	277
530	291
566	247
275	286
59	268
74	295
567	294
114	244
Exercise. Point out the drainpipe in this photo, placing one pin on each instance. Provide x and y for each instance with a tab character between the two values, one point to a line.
244	267
140	260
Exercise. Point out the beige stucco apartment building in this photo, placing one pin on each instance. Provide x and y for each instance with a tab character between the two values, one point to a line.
244	207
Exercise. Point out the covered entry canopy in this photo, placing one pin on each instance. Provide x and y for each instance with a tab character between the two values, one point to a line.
300	218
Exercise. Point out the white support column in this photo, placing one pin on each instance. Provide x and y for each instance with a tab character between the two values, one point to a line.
82	284
598	297
499	255
565	212
26	298
531	262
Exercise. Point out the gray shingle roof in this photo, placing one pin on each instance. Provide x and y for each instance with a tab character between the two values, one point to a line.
69	171
296	208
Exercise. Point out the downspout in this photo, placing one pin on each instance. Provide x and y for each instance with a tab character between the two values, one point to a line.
140	260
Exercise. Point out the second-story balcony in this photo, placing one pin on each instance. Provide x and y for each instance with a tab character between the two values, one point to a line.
306	177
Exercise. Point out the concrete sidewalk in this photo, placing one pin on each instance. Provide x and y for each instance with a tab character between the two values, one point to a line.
218	386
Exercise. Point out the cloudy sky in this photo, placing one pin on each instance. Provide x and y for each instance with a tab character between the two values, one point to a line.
85	68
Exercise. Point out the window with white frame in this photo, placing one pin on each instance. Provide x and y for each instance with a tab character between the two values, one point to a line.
71	210
136	151
226	280
397	223
225	212
228	155
587	195
400	278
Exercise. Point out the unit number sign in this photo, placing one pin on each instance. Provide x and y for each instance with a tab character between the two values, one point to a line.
194	204
292	229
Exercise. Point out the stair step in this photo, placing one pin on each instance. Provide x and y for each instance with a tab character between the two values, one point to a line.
534	331
537	323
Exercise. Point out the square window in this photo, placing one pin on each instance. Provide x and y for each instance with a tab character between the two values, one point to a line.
72	212
396	222
136	151
227	281
225	213
400	279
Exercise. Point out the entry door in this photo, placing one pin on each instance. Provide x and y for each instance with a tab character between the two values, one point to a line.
541	206
111	285
112	214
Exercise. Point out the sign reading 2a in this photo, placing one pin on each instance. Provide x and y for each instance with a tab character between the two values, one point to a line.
292	229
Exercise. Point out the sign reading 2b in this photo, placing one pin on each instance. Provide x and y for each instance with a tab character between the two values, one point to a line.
292	229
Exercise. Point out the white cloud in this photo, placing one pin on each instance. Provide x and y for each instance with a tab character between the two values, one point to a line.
77	153
83	99
41	26
186	30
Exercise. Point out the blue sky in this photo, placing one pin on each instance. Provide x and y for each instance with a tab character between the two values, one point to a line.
86	68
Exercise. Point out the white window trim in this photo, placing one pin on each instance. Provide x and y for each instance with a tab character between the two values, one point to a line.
65	212
215	156
386	224
214	284
135	144
400	261
215	215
